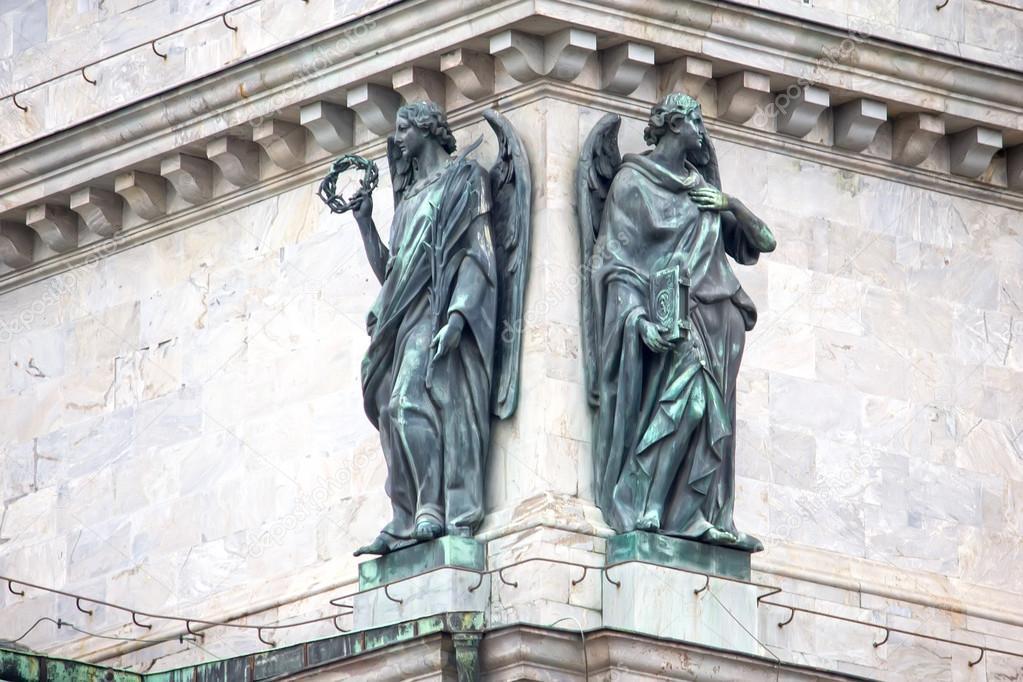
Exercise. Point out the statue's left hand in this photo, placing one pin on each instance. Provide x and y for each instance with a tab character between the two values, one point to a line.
448	337
709	198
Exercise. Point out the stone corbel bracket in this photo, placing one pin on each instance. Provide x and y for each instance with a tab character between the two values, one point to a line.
623	67
416	84
100	210
237	159
743	94
685	74
856	123
55	225
799	111
1014	167
16	244
970	151
561	55
145	193
914	136
191	177
283	142
471	72
376	106
332	125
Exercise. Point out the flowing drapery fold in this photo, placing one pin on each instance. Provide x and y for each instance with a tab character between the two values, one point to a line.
676	458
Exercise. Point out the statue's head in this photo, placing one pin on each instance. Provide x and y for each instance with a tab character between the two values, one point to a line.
679	116
420	124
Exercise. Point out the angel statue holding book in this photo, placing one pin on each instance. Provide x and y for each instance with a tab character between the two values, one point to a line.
445	329
664	320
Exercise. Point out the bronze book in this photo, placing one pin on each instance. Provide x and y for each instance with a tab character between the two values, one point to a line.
669	302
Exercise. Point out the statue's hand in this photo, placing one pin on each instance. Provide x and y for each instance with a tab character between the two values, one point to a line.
709	199
448	337
651	336
362	205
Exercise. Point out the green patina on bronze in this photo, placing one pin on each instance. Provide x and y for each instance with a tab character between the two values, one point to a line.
664	320
688	555
448	550
16	666
446	327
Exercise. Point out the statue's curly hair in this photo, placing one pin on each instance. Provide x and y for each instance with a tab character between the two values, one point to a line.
664	112
429	117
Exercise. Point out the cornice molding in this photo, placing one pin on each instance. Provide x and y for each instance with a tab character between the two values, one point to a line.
310	173
273	100
524	651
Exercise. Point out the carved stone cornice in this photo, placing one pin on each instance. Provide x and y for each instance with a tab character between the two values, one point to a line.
290	117
522	651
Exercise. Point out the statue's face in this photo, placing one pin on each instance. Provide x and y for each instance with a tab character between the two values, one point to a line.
690	130
409	138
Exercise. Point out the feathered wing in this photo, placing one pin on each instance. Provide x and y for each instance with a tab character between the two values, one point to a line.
598	164
401	171
511	220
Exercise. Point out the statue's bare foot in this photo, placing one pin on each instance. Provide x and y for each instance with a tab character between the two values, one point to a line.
716	536
651	521
378	546
428	529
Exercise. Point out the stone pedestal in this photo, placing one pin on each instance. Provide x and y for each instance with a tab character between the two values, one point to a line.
439	586
687	555
673	588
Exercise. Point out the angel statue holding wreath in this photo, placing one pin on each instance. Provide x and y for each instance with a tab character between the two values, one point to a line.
445	329
664	321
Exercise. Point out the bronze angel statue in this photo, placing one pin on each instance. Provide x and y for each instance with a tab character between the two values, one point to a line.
664	320
444	331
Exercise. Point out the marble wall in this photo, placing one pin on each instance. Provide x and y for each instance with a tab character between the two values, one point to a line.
41	39
988	31
183	419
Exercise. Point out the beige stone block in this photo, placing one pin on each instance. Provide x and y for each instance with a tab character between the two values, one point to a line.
727	618
907	322
863	362
752	448
820	300
990	447
824	408
752	506
781	345
109	333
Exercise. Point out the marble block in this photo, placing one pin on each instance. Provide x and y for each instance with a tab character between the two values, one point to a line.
668	603
443	591
656	585
422	580
444	551
678	553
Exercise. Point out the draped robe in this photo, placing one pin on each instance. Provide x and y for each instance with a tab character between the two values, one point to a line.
435	424
665	426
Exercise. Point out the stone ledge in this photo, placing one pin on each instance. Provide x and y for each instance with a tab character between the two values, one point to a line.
314	167
677	553
517	652
357	652
425	556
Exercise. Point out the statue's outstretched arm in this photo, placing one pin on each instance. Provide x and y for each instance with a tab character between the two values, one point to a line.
376	251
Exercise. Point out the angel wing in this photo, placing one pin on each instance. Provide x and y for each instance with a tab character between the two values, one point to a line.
401	171
598	164
511	222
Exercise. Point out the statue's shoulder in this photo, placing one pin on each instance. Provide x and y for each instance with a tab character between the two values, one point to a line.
628	177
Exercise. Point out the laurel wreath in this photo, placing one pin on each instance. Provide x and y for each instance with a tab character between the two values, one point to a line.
328	187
